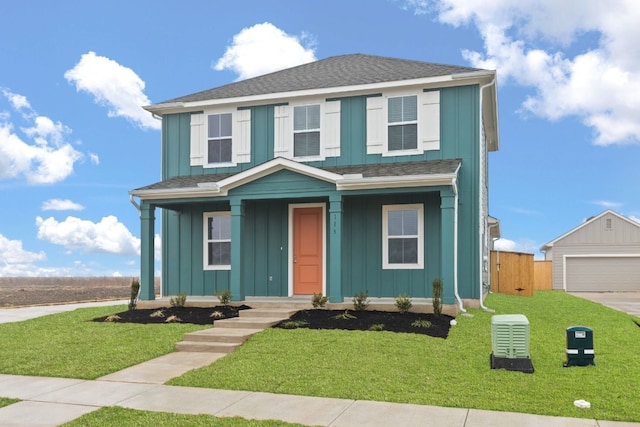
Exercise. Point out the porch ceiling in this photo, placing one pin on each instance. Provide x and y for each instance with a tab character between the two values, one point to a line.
390	175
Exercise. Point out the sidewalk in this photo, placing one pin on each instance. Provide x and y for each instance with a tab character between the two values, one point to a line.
54	401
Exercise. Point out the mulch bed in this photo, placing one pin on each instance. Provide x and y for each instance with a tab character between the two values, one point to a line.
364	321
195	315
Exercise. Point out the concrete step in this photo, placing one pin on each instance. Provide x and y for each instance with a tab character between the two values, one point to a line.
248	323
229	335
267	312
206	347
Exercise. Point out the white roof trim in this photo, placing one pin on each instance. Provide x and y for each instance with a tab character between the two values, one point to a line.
342	182
449	80
584	224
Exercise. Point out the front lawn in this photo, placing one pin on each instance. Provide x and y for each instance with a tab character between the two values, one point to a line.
410	368
71	345
121	417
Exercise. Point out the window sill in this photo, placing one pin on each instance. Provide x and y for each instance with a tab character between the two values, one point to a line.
217	267
220	165
402	153
309	159
402	267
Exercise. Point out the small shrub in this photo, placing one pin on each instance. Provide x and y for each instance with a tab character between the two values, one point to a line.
173	319
135	289
377	327
224	296
403	303
112	318
179	300
437	296
361	301
294	324
421	323
317	300
217	314
344	316
157	313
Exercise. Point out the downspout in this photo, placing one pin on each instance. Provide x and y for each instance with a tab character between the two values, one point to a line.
481	181
134	203
454	186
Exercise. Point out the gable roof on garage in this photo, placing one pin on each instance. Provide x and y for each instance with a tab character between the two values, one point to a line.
587	223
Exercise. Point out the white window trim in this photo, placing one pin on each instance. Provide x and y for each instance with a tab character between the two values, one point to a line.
240	138
428	123
205	240
388	124
319	156
385	237
329	129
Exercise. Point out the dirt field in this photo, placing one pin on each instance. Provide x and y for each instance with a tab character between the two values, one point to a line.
26	291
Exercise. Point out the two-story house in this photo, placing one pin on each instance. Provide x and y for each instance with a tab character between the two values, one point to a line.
349	174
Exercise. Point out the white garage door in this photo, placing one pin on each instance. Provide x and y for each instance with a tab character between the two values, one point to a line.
602	274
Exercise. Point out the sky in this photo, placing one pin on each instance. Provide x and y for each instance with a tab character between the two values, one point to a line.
74	74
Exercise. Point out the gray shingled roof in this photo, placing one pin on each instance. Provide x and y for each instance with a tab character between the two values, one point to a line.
335	71
429	167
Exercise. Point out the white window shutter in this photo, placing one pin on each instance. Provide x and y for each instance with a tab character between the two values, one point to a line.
242	136
330	132
198	140
429	120
283	132
376	125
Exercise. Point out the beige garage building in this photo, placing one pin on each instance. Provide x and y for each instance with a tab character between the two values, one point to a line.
601	254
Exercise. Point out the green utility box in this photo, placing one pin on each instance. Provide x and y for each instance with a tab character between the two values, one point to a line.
579	346
510	343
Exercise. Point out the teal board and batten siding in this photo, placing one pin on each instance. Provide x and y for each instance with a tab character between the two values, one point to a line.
459	136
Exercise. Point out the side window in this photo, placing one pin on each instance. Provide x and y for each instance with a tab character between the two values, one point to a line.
402	236
402	123
219	137
306	131
217	241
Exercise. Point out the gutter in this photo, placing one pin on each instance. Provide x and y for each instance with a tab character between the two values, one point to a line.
454	186
482	220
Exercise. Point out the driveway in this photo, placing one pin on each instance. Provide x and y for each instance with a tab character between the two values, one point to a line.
628	302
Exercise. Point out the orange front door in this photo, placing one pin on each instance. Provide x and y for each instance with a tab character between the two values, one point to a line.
307	250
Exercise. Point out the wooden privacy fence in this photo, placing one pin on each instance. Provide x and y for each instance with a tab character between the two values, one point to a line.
512	273
516	273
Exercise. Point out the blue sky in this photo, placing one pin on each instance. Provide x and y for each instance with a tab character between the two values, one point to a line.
74	140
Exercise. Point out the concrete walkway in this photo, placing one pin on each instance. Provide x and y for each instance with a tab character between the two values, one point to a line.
628	302
54	401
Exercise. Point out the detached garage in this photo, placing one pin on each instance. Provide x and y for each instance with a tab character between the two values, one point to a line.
602	254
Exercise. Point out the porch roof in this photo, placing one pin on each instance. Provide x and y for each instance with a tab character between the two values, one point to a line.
352	177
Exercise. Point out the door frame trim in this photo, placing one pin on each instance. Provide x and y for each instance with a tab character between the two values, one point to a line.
292	207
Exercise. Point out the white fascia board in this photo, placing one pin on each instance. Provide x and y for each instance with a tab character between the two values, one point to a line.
272	166
335	91
395	182
179	193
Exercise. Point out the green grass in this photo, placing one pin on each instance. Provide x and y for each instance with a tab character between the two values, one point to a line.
70	345
120	417
386	366
6	402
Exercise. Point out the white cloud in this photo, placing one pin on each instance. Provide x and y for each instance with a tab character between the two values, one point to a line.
15	260
607	204
115	86
264	48
41	154
107	236
549	46
61	205
95	159
523	245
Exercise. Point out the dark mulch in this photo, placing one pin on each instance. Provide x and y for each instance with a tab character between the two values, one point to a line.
195	315
364	320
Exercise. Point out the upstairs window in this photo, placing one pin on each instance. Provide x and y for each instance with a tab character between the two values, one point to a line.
402	236
306	131
219	147
403	123
217	241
